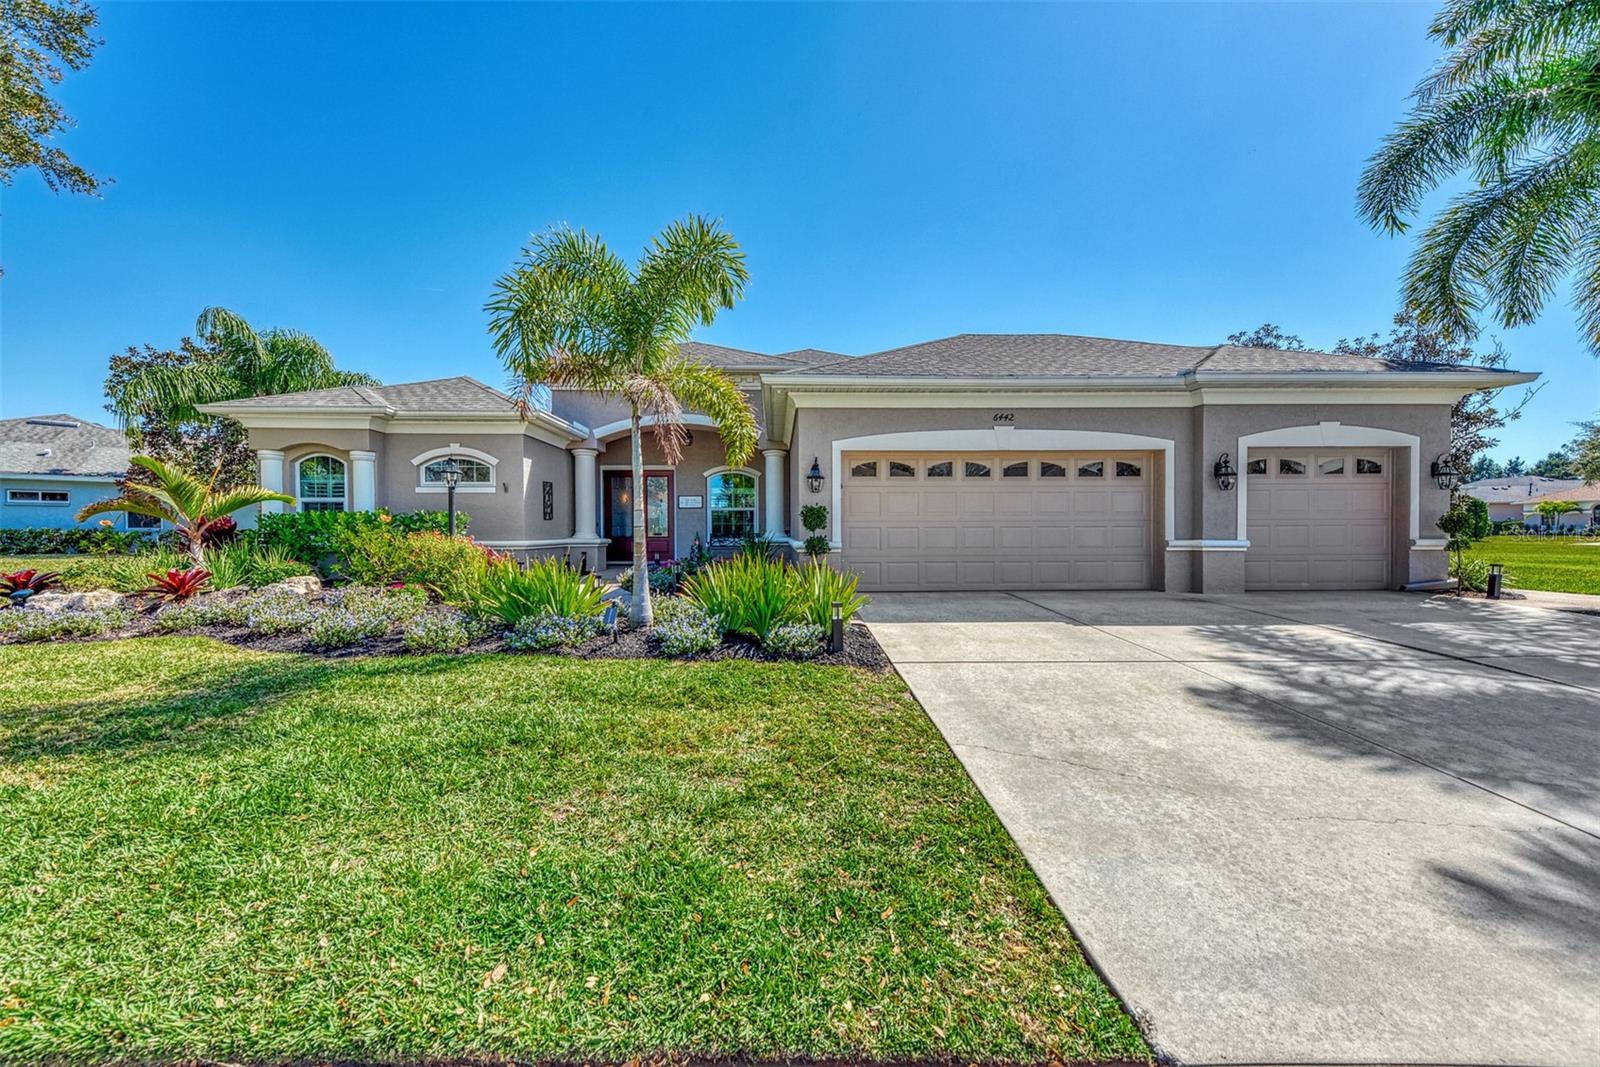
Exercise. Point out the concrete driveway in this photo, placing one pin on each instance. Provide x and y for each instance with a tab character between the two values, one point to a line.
1295	828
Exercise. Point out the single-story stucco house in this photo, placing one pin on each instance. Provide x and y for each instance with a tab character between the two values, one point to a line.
1507	496
53	465
1586	497
981	461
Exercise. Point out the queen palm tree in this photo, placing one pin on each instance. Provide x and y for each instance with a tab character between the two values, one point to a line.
243	363
190	504
1551	511
572	313
1516	105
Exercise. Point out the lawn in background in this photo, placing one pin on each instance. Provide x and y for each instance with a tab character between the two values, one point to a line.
216	853
1556	564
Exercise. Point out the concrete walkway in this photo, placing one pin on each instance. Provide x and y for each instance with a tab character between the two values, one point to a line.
1295	828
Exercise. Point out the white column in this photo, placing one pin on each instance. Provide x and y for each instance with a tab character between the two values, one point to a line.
774	491
585	526
363	489
269	472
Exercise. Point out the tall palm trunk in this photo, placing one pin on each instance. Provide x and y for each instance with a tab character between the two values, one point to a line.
642	613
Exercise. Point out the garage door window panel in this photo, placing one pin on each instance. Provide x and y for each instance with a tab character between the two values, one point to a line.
899	469
1092	469
1127	469
944	468
1015	470
1330	467
975	469
866	468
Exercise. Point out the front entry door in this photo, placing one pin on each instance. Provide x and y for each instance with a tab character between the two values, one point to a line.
657	515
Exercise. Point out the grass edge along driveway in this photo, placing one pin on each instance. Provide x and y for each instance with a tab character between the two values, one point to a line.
221	853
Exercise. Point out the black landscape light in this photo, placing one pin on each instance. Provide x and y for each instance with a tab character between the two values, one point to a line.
1497	575
836	635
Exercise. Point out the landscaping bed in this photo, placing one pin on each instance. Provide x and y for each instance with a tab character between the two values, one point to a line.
216	853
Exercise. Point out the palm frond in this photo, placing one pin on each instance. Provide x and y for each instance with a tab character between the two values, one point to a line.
1490	34
174	487
692	269
229	331
232	500
554	316
710	391
135	505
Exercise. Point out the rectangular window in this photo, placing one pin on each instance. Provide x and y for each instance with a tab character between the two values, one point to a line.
38	496
901	470
943	469
864	469
1129	470
1092	469
1051	470
1015	470
1330	468
1291	467
1256	466
1368	466
973	469
473	472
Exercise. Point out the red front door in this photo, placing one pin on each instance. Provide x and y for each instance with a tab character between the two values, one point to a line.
657	515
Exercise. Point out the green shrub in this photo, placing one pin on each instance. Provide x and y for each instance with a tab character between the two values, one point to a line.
750	593
1473	574
823	585
198	612
440	631
370	553
22	624
759	546
350	616
246	563
547	586
449	568
537	632
128	574
276	613
32	541
814	517
311	536
683	629
795	640
817	546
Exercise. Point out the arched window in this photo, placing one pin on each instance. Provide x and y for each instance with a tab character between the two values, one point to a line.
320	483
474	472
731	502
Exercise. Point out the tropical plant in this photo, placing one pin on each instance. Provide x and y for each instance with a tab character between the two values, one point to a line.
823	586
1516	105
246	563
572	313
174	585
29	581
312	536
759	546
1551	511
242	363
546	586
190	504
750	594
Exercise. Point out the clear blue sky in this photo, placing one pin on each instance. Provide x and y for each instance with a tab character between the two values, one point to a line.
895	174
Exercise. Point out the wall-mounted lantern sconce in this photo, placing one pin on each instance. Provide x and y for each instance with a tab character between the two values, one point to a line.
814	476
1226	476
1445	476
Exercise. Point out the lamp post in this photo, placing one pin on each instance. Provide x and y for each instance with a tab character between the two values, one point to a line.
1497	576
451	473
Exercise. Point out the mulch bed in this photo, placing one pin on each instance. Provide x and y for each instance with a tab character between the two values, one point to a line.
860	649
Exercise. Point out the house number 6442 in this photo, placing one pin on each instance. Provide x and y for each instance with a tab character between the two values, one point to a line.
1005	416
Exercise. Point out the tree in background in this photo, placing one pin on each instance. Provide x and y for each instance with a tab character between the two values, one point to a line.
1515	467
1515	105
156	394
1558	464
572	313
1485	467
40	41
1552	510
1585	450
1474	417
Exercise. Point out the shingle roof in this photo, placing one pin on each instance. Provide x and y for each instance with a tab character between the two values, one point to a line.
1582	493
740	359
460	394
61	445
1517	490
812	357
1047	355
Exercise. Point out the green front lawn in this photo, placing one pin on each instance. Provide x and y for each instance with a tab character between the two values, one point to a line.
221	853
1557	564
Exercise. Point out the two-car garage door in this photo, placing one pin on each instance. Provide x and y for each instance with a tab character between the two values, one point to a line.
1047	520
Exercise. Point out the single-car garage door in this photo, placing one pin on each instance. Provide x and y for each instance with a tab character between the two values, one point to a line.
1318	519
1047	520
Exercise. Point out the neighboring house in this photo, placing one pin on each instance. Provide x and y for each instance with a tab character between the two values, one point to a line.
1506	496
982	461
1584	494
53	465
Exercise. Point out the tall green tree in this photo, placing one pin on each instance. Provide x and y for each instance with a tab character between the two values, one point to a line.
192	505
40	40
156	394
1585	449
1551	511
572	313
1515	105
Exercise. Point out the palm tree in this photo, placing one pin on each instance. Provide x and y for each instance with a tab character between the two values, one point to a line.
190	504
1515	104
571	313
247	364
1552	510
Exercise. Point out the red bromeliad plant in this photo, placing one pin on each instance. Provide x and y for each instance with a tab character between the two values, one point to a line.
176	584
34	581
